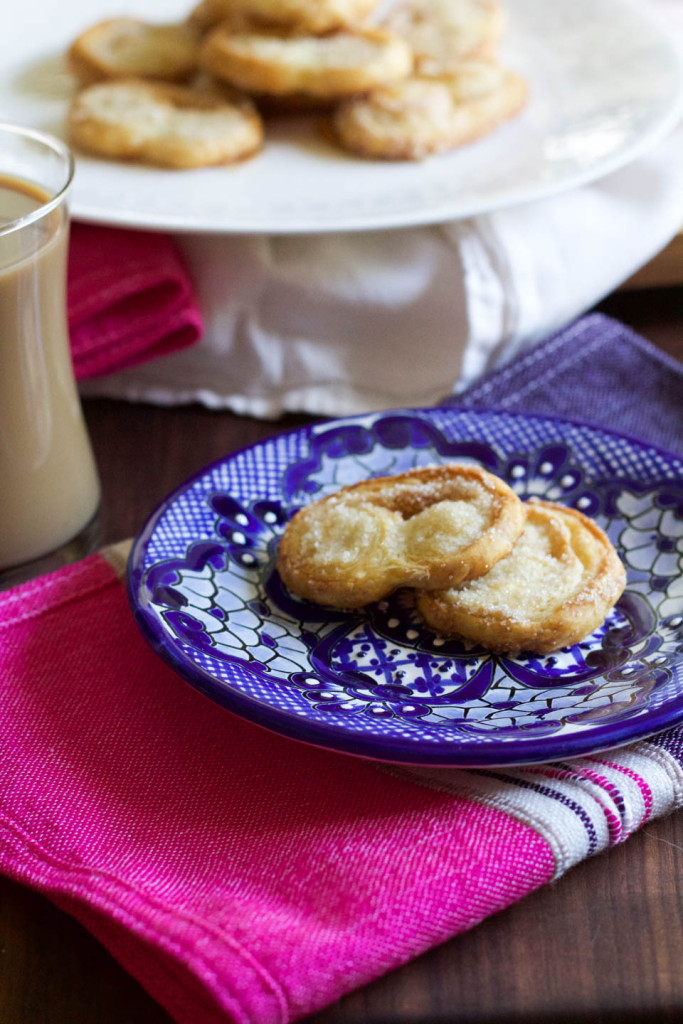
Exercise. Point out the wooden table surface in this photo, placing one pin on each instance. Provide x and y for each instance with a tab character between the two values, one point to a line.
603	945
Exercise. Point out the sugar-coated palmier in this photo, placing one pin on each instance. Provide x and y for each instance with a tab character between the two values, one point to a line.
555	587
331	66
166	125
420	116
419	528
207	14
296	103
441	33
308	16
129	48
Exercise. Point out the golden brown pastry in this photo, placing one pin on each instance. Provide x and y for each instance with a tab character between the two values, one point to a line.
442	33
129	48
207	14
421	116
554	588
314	17
428	527
165	125
331	66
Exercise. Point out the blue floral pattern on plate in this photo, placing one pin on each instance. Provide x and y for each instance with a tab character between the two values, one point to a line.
205	591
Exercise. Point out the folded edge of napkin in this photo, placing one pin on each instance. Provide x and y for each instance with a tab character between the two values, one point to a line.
130	299
596	370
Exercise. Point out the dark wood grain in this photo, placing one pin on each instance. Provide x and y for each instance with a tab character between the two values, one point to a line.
604	945
144	452
657	314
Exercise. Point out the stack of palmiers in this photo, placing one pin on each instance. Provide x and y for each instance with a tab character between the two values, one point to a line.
510	575
423	80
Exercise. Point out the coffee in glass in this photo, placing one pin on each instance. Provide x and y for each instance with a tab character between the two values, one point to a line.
49	487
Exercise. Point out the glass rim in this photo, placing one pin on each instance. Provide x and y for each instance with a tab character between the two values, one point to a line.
58	147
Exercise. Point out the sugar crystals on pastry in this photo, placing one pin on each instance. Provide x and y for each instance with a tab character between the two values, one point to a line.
556	586
443	33
128	47
331	66
428	527
420	115
166	125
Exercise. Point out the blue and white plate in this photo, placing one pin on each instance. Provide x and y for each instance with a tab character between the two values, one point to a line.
377	683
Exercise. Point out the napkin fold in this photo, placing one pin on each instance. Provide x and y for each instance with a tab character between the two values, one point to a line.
596	370
130	299
247	878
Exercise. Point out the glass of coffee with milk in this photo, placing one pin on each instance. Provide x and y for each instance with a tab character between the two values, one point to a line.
49	486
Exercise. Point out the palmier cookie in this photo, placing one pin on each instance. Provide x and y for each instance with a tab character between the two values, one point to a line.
554	588
330	66
419	528
128	48
307	16
441	33
207	14
421	116
165	125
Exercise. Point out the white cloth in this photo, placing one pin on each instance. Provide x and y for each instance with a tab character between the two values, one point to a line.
345	323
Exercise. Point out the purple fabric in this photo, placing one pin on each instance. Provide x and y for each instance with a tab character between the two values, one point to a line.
596	370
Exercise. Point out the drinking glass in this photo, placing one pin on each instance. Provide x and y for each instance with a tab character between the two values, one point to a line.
49	486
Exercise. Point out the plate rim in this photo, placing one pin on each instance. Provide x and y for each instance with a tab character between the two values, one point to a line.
410	218
329	735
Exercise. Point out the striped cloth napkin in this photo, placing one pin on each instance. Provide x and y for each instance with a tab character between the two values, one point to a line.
241	876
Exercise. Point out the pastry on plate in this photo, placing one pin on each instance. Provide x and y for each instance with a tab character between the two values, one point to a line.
427	527
331	66
129	48
442	33
420	116
314	17
555	587
165	125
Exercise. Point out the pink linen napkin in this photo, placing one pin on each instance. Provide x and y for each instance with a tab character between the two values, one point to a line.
241	876
130	299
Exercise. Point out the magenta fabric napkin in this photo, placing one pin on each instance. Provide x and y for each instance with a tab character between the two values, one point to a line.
130	299
241	876
238	875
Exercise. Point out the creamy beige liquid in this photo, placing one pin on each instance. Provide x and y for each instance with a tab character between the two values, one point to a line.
49	488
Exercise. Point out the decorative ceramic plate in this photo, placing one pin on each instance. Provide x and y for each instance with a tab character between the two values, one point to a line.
605	81
204	588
